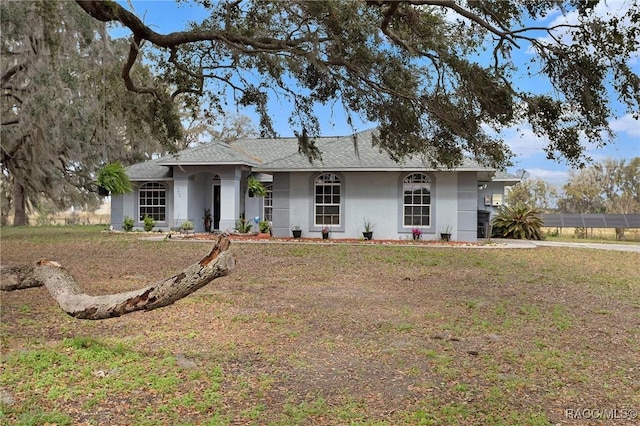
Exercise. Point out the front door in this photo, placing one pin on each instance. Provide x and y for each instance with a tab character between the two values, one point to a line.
216	206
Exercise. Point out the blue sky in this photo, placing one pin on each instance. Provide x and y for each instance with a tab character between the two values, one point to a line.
167	16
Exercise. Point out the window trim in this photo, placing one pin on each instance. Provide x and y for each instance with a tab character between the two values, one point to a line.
312	205
268	186
406	229
165	205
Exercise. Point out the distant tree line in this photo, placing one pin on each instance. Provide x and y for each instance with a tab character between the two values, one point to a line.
611	187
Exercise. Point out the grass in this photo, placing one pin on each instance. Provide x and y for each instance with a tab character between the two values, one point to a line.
592	235
324	334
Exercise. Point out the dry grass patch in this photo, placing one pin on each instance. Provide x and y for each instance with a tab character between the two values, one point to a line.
326	334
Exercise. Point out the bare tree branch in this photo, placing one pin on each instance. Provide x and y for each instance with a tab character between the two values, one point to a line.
68	294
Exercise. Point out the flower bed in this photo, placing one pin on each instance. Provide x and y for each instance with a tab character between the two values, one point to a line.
263	238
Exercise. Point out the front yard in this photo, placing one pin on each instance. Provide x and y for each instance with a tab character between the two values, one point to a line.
327	334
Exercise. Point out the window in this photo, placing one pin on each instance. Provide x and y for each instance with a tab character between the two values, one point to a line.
416	190
153	201
268	202
327	200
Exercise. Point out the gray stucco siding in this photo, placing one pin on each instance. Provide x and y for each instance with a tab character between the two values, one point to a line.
467	229
281	223
117	212
376	196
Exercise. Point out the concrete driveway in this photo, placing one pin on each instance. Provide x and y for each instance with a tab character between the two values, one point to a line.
597	246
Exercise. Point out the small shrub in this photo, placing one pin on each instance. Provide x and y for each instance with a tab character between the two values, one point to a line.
243	226
553	232
127	224
187	225
518	222
149	223
580	232
264	227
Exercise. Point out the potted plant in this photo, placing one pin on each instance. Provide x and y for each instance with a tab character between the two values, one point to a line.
243	226
417	233
186	226
368	229
255	188
297	232
265	229
325	232
446	234
207	220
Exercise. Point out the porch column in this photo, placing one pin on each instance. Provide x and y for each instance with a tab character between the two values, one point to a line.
229	201
180	201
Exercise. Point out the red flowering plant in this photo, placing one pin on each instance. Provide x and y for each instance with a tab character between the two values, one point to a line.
417	233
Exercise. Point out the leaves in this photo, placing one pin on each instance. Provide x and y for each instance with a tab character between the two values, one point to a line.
609	187
430	75
519	222
113	177
66	111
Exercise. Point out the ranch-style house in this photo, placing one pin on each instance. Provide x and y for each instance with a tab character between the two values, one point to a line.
339	192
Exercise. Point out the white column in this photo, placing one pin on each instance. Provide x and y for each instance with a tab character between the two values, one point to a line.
229	201
180	201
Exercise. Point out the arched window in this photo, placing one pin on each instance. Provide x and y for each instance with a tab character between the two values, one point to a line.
153	201
416	190
327	188
268	202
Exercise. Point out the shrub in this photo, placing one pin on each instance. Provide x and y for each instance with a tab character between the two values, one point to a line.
243	226
518	222
264	226
187	225
127	224
149	223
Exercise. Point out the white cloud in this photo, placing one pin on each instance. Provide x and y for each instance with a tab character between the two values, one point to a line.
605	10
626	124
521	139
554	177
523	142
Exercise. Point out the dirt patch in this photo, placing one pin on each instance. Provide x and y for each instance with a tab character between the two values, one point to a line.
333	334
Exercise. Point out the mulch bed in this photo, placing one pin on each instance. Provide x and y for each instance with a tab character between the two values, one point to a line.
266	238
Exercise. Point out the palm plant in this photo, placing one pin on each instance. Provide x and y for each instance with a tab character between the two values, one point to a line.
517	222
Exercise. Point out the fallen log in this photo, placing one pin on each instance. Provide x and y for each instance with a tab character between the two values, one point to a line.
67	292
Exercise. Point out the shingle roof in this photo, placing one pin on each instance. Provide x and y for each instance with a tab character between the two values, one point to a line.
210	153
149	170
265	150
281	154
339	153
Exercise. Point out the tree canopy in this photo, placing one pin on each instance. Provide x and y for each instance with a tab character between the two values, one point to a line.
65	110
438	76
612	186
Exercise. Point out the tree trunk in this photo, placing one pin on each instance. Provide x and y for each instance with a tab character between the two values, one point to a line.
66	291
19	204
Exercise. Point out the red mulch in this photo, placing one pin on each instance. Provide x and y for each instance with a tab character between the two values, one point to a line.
267	238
